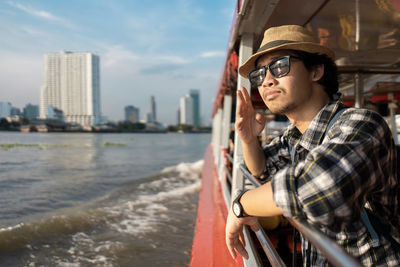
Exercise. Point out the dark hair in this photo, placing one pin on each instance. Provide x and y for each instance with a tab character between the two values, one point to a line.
330	78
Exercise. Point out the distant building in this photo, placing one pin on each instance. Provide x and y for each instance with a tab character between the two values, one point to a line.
195	95
149	117
72	84
189	109
5	109
186	108
55	113
153	112
15	111
155	126
31	111
132	114
178	116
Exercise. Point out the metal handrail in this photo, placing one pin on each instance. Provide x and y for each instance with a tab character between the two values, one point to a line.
266	244
269	249
229	157
228	174
335	255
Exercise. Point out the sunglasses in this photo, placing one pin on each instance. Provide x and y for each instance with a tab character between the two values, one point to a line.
278	68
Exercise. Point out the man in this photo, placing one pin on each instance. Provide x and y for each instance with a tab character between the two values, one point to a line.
331	176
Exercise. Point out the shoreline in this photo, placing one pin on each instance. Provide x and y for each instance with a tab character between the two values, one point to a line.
117	131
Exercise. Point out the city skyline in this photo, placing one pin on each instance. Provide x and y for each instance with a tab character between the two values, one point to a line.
139	55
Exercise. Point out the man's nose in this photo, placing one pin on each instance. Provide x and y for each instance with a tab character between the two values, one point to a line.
269	79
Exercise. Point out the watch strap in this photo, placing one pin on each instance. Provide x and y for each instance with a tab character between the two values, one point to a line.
237	202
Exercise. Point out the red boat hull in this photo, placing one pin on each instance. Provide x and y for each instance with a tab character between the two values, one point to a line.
209	247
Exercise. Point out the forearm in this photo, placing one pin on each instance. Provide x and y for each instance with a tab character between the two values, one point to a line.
254	157
260	202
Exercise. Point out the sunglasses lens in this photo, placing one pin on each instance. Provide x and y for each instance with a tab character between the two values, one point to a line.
280	68
257	76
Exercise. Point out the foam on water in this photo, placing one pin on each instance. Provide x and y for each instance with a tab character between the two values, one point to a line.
148	210
81	243
186	169
143	208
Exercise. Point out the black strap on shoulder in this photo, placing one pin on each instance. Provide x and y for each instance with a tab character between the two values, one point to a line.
332	121
335	117
292	153
369	219
383	229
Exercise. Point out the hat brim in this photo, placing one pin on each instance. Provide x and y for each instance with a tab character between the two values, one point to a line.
249	65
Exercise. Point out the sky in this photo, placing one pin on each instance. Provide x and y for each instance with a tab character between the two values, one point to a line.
153	47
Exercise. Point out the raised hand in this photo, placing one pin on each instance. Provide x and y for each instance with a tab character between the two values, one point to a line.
249	124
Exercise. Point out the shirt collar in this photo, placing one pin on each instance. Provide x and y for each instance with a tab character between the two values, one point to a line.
315	131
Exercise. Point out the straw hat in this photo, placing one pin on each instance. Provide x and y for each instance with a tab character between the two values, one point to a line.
291	37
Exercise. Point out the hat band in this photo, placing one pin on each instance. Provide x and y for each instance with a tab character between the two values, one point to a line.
274	43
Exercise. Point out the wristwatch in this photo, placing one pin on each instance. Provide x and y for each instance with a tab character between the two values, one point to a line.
237	207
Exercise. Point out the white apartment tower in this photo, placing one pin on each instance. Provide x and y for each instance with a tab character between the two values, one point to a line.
72	84
186	110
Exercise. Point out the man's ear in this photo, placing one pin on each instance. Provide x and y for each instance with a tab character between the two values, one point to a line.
317	72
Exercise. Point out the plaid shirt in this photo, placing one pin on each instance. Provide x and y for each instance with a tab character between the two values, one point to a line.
334	177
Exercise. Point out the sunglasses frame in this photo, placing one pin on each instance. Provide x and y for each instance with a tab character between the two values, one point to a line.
268	67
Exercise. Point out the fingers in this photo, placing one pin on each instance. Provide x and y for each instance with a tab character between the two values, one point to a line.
234	236
243	96
241	237
231	249
261	119
241	250
235	240
240	101
240	109
235	244
254	225
246	95
244	105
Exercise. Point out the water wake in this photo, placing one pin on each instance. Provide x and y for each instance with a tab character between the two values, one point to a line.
104	231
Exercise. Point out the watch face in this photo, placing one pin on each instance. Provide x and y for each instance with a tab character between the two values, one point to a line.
236	209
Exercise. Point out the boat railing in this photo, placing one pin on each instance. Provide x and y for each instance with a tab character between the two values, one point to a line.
335	255
263	239
228	173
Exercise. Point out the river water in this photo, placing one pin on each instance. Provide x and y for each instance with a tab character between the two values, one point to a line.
83	199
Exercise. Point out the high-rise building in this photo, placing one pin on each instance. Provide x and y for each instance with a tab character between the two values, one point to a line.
149	117
131	114
5	109
186	107
195	95
31	111
15	111
153	113
72	84
178	116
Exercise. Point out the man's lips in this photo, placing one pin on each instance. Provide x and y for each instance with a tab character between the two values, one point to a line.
270	95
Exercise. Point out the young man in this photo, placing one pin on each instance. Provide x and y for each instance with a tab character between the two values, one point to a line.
331	176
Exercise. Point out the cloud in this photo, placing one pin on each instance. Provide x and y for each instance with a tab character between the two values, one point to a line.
118	59
210	54
21	77
159	69
117	55
172	59
32	31
41	14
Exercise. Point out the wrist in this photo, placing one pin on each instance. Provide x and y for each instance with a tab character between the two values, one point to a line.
252	142
237	207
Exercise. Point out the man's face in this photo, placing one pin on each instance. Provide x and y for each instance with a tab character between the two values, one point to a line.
285	94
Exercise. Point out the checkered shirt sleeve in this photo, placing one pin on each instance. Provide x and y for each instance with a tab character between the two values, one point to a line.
334	176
